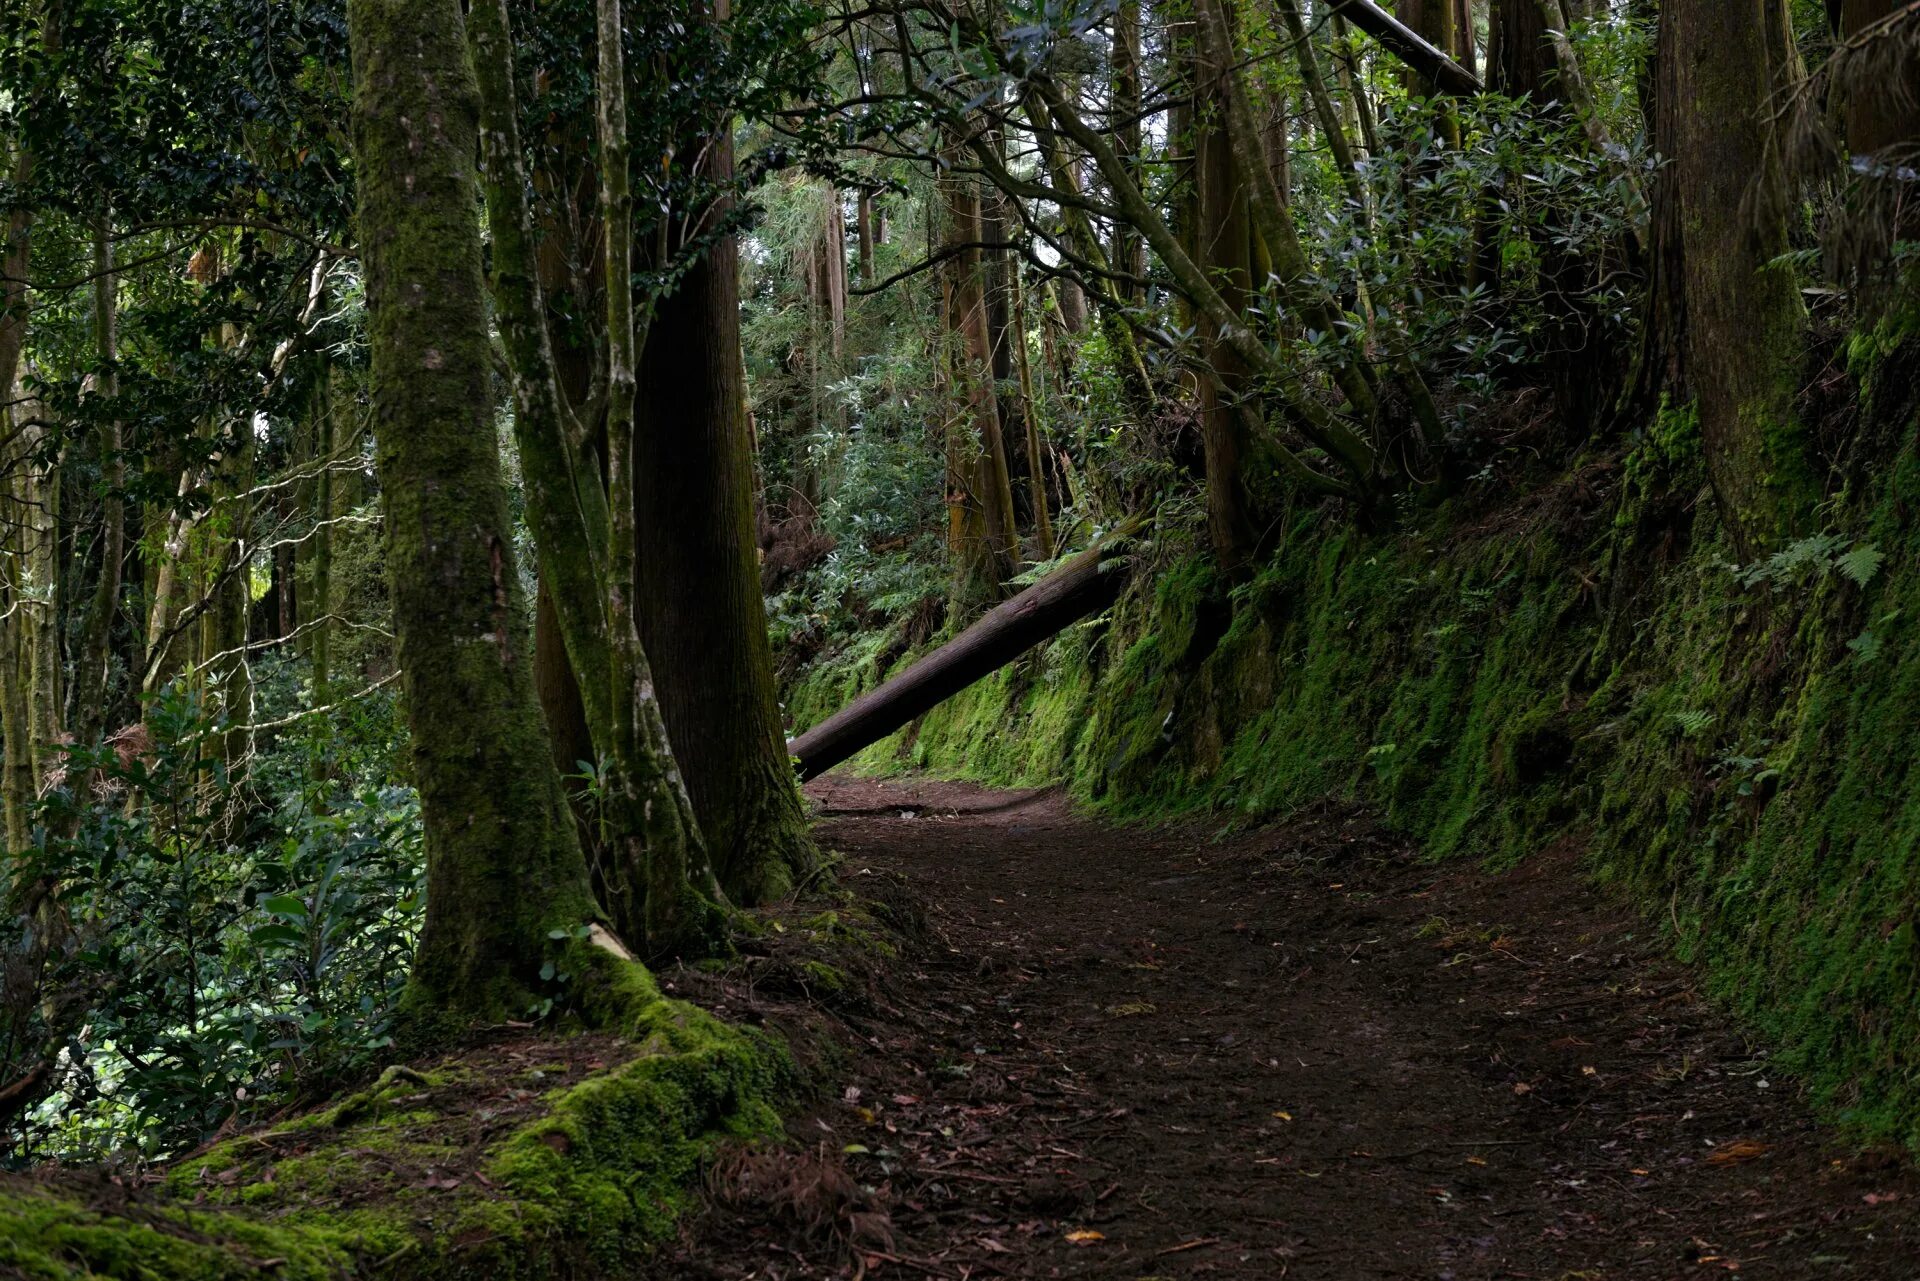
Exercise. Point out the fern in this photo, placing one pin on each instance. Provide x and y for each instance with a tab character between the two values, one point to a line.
1692	722
1814	558
1861	564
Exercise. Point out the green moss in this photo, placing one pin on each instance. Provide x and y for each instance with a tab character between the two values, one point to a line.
414	1178
823	976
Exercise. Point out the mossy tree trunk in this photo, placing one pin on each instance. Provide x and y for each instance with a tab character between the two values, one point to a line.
651	869
698	601
504	867
679	908
1745	323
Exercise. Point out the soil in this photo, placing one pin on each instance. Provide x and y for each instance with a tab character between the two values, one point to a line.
1297	1052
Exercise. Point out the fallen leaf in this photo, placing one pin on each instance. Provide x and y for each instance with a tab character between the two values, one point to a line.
1476	1160
1587	1071
1086	1236
1880	1198
1131	1009
1283	1116
1737	1151
1521	1087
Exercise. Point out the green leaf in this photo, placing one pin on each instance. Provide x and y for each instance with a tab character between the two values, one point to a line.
1865	647
287	905
1861	564
273	935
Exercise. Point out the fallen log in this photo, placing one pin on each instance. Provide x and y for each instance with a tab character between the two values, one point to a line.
1085	585
1409	46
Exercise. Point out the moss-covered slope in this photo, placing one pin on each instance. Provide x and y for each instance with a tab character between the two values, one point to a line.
534	1158
1737	745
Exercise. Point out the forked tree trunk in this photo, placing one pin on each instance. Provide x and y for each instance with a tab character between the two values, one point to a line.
503	866
679	910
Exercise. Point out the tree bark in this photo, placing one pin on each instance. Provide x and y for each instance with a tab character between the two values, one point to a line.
1520	57
503	866
979	486
1886	118
1129	250
863	226
650	818
86	711
1222	243
1745	322
698	597
1085	585
1030	415
679	911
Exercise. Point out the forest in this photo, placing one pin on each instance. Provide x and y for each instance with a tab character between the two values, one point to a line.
782	639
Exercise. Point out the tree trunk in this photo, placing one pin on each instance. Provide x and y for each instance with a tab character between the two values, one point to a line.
650	818
1085	585
1888	116
1520	58
85	708
979	486
1406	37
1129	250
40	620
863	226
1745	323
1223	236
16	773
503	866
699	604
320	589
1030	415
679	910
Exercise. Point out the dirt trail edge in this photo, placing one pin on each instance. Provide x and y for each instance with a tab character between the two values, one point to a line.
1296	1052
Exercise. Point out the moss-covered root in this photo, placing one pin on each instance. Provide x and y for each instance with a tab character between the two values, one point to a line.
475	1166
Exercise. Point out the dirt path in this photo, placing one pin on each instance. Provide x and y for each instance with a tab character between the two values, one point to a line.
1295	1053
